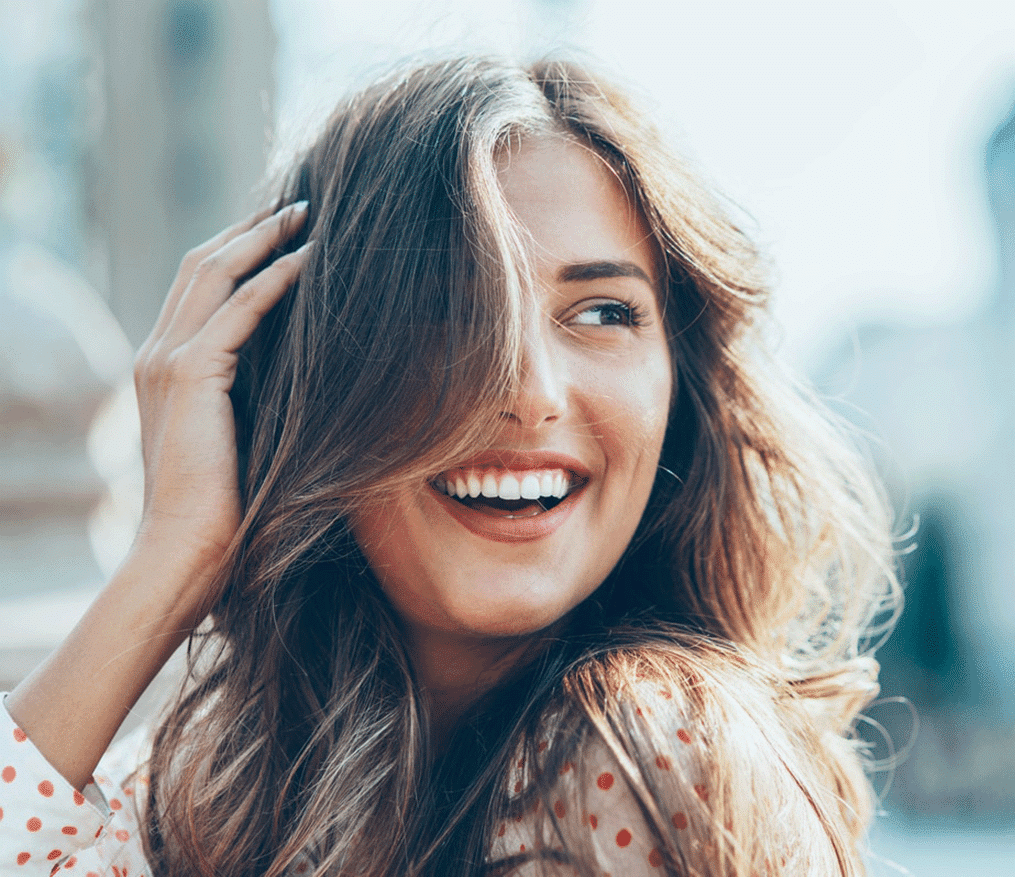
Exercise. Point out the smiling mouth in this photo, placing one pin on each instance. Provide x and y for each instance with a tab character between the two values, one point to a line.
508	508
506	494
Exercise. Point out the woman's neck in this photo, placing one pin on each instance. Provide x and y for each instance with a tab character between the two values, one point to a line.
454	672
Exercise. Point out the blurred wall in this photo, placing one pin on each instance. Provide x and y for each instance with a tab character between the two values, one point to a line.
188	87
129	132
939	397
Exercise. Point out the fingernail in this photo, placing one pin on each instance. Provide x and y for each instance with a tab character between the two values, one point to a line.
299	206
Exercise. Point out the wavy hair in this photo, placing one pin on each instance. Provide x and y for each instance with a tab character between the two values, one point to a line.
300	735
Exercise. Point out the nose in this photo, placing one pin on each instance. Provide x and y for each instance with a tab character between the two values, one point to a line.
541	396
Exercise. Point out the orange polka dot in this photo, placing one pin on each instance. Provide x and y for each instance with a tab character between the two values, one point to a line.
69	829
115	804
605	781
679	821
91	874
98	831
20	735
665	692
46	789
623	837
702	792
79	799
502	829
1	812
655	858
8	774
54	854
542	746
559	809
71	862
23	857
521	763
566	767
301	868
122	835
518	787
683	736
522	848
34	824
662	762
593	821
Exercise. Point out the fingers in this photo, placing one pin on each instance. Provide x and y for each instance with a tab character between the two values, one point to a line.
215	276
234	321
193	258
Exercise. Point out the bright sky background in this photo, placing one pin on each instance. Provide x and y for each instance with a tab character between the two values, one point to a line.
852	132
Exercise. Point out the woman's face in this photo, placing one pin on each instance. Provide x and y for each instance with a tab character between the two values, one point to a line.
587	422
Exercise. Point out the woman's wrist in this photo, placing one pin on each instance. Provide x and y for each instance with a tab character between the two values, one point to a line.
72	705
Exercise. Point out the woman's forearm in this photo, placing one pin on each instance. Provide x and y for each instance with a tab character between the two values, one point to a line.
73	703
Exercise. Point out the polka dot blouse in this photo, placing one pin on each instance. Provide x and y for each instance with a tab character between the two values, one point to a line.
48	827
592	801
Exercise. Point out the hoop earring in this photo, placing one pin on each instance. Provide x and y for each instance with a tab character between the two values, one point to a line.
680	480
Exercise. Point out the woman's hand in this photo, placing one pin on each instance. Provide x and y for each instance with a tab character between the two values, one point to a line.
183	373
73	703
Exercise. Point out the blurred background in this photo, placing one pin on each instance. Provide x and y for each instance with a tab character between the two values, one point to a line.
871	144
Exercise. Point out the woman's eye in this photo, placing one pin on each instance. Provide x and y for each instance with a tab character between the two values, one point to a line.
612	313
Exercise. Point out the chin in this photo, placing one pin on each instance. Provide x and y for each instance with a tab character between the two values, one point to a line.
504	607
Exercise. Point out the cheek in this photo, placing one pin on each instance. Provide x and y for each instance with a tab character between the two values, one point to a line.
633	407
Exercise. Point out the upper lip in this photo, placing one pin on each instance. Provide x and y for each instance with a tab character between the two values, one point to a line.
523	460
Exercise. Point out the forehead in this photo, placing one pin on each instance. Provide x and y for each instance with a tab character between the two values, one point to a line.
572	205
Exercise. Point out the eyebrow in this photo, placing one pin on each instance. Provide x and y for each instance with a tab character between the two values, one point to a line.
578	271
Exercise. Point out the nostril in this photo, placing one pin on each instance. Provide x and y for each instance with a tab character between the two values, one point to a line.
521	421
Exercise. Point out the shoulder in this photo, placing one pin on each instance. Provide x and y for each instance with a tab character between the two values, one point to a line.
681	763
592	807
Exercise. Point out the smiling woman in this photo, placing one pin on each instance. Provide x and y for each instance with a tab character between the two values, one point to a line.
535	563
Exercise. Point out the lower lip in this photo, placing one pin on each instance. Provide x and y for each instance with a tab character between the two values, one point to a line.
504	529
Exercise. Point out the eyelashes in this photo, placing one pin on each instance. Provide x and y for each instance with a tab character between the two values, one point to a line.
609	313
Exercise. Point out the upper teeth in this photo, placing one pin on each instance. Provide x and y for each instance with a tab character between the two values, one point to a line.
496	483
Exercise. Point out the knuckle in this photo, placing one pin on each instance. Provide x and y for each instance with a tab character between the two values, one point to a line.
144	362
278	274
191	259
209	267
178	364
244	295
161	367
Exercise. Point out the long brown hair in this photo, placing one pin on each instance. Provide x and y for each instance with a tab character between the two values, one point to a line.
301	732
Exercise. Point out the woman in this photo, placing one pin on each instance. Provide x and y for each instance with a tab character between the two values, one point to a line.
534	563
